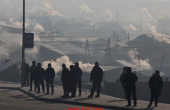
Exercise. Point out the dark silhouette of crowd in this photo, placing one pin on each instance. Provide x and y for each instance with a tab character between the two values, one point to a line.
38	75
128	80
72	78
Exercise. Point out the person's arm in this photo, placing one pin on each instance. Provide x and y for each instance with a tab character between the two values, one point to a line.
53	73
161	82
91	76
43	72
81	73
150	81
101	77
135	77
62	75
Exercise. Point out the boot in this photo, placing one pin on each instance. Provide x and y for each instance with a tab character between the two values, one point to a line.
79	94
97	96
90	96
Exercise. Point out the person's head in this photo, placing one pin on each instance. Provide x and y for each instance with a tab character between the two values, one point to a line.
71	67
157	73
49	65
76	64
96	63
38	65
63	65
125	69
33	62
129	69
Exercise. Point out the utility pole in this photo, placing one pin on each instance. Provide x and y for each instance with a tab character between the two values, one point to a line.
23	49
139	62
125	35
117	16
87	52
108	58
114	36
128	37
117	40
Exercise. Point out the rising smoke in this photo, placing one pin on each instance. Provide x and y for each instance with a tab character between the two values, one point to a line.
134	56
57	64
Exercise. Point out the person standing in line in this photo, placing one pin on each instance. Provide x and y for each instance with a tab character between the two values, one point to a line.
96	78
26	74
49	76
72	81
65	80
79	73
40	77
32	71
122	80
155	84
130	81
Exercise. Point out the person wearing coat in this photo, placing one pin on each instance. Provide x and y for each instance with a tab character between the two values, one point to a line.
96	78
130	86
26	73
49	76
40	78
122	80
72	79
32	71
155	85
78	77
65	80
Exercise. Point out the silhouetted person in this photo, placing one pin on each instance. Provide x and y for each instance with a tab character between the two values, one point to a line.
72	81
65	80
40	77
155	84
26	74
49	76
96	79
130	81
32	75
122	80
78	77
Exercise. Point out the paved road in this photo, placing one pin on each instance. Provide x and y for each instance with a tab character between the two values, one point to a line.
15	100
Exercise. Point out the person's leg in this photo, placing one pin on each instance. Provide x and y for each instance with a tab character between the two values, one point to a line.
47	87
75	85
92	89
125	92
67	93
98	89
80	88
129	97
156	100
38	86
152	98
52	87
35	86
28	81
134	97
74	89
31	80
64	89
43	87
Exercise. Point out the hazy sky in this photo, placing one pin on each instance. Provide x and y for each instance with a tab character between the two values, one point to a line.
92	9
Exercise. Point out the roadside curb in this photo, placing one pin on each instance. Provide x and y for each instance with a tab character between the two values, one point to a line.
75	102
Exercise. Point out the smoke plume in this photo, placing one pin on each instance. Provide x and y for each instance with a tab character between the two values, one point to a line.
144	64
57	64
